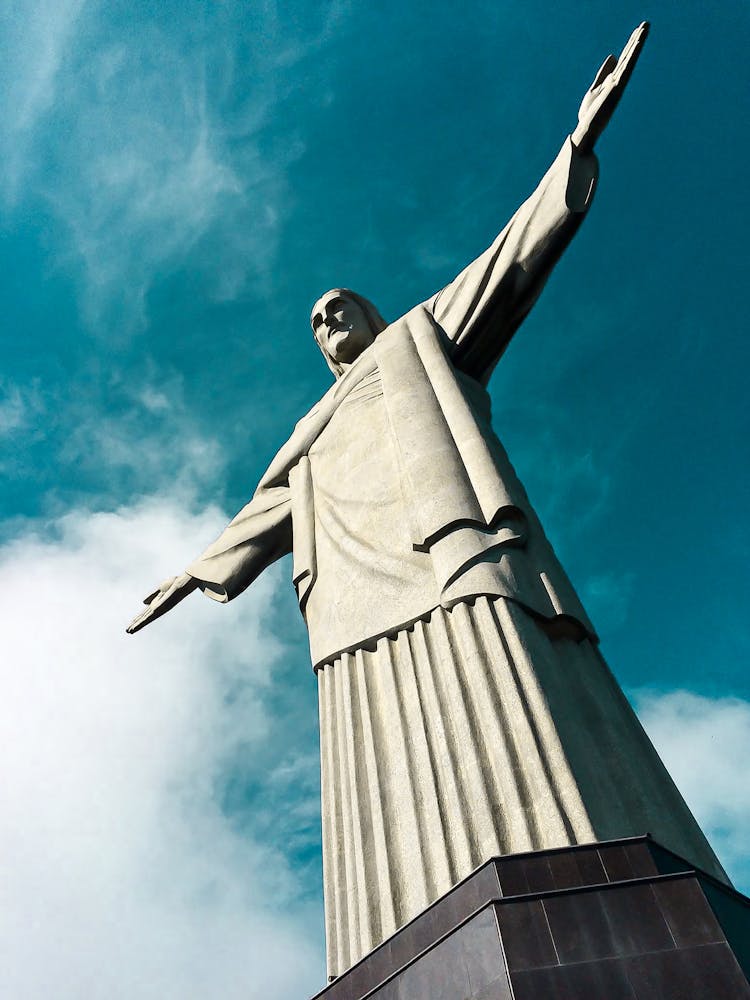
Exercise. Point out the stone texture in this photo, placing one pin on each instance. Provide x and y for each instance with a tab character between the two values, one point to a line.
448	744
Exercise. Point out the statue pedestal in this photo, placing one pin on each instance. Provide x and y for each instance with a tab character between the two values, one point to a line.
618	920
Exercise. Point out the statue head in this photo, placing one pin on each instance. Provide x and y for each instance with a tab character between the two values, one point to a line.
344	324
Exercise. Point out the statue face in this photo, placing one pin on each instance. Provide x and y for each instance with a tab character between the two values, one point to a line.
341	328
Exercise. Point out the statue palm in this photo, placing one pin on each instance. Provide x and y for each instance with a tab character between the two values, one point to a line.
163	599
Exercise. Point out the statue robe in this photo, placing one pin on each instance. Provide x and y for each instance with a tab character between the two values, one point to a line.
412	497
465	710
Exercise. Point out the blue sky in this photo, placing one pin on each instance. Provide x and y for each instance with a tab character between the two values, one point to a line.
178	184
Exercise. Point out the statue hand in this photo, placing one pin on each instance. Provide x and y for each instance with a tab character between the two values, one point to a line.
163	599
605	92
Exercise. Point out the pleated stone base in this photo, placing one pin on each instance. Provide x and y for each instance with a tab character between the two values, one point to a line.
473	733
620	920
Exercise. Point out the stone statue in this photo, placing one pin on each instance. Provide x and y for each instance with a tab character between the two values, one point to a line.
465	710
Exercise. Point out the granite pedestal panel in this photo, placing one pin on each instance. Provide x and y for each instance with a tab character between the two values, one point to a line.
621	920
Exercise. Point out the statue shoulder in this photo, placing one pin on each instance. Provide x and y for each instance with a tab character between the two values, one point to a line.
418	324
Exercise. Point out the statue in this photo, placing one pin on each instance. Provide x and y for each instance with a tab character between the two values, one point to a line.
465	710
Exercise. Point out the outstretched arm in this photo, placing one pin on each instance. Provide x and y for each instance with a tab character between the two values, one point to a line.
260	534
481	309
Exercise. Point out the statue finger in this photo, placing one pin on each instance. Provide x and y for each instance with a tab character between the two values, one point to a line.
152	596
631	52
633	40
604	70
139	621
629	48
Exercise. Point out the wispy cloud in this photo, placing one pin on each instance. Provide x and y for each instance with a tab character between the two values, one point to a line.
158	177
111	441
22	414
564	477
19	407
151	444
607	598
123	873
705	744
35	38
134	134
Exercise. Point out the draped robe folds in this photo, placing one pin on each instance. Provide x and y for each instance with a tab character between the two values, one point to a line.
463	506
439	617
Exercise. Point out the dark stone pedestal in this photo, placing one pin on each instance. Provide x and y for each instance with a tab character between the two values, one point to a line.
621	920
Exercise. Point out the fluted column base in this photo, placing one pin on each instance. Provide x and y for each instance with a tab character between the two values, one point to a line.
473	733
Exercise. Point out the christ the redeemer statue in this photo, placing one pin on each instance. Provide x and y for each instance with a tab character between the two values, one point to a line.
465	710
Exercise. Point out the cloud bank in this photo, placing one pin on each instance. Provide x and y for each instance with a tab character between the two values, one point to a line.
123	876
705	744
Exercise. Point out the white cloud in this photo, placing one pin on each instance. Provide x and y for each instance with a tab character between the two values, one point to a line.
705	744
122	876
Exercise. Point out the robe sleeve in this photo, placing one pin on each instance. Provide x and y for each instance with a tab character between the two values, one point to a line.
484	305
260	534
